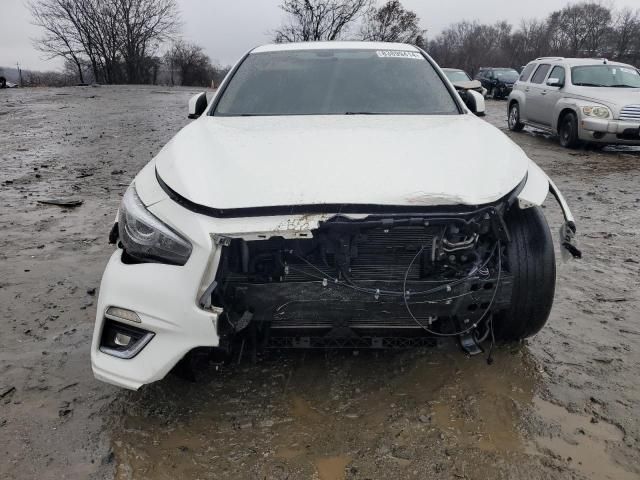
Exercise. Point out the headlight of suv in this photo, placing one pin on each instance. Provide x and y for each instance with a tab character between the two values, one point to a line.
597	111
145	237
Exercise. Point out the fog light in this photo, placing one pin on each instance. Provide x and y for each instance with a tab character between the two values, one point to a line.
117	313
122	340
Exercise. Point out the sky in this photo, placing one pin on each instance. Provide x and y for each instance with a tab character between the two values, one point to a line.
228	28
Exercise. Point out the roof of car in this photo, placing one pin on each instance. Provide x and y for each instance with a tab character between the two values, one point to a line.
349	45
581	61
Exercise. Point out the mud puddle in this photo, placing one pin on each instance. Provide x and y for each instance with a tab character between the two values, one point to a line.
583	441
325	416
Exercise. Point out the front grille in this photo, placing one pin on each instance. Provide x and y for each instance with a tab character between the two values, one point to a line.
630	112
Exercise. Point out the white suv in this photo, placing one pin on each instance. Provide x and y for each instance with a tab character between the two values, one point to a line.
582	100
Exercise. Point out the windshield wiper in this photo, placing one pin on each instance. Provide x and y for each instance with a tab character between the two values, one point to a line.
589	85
623	85
363	113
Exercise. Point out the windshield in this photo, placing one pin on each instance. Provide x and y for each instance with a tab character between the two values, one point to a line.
456	75
336	82
506	74
605	76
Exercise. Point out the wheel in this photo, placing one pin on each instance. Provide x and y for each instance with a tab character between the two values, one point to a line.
568	131
530	261
514	118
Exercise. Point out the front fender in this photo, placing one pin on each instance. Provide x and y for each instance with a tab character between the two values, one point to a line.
535	192
563	105
518	96
535	189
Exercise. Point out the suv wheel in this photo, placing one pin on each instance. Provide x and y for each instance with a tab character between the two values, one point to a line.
515	124
568	131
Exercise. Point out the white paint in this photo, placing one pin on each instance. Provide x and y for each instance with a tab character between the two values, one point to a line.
535	189
239	162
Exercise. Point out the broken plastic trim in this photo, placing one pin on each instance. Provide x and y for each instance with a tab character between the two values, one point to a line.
318	208
568	229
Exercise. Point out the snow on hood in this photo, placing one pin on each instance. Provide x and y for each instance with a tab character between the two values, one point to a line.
243	162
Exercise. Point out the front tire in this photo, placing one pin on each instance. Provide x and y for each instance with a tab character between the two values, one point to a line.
515	125
568	131
530	260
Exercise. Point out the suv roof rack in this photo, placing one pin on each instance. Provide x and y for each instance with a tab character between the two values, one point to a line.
550	58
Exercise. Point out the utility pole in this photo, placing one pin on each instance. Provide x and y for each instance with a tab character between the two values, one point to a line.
19	72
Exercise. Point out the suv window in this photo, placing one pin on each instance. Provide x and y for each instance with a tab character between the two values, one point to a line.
557	72
526	73
541	72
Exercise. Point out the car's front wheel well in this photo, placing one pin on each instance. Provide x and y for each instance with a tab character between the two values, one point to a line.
563	113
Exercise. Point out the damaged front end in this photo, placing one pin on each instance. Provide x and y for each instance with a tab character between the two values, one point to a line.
382	281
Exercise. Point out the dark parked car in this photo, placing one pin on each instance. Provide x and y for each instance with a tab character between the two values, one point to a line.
498	81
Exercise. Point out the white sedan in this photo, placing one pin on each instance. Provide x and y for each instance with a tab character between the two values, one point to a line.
330	195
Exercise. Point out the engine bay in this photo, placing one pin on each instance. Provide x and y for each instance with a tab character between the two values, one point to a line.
382	281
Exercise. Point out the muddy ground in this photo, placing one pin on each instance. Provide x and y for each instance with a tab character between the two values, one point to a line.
566	404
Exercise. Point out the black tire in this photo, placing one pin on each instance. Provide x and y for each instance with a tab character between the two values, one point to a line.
513	118
530	260
568	130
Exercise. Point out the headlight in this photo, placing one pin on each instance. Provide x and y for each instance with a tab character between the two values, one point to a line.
145	237
596	111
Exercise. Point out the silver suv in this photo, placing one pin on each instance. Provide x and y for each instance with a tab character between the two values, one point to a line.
580	99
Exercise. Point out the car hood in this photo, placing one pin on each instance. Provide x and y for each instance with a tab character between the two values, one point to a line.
468	85
246	162
616	97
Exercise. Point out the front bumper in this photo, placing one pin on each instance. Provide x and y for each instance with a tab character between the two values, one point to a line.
164	297
504	90
609	131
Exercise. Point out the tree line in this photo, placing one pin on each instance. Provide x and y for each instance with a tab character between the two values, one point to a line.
586	29
118	41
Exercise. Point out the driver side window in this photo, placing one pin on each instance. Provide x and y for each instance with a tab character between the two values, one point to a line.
541	73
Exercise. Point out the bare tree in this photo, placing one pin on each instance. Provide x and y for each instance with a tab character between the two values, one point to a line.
61	38
580	29
191	63
118	37
310	20
624	42
143	25
392	23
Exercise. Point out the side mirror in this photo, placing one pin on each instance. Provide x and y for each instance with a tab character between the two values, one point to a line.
197	105
555	82
475	101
